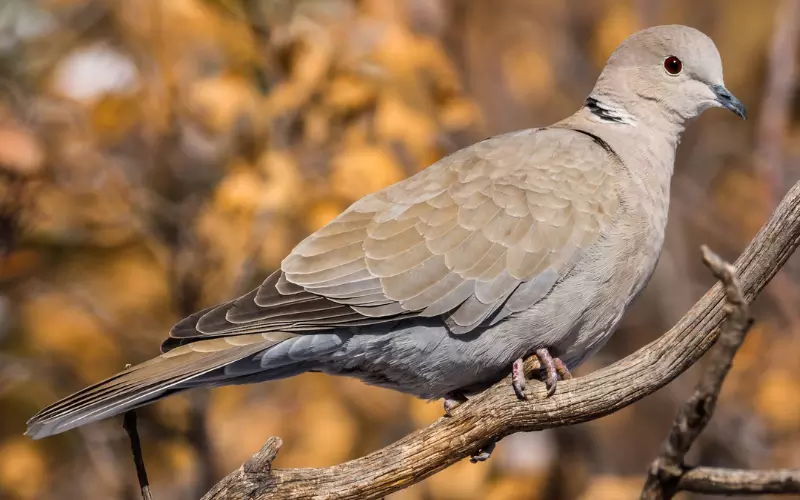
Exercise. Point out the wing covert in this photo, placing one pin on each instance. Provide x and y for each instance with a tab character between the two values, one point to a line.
479	235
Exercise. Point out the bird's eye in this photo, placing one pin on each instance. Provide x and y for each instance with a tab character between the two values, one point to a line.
673	65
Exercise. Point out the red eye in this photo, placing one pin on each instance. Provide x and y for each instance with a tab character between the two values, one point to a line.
673	65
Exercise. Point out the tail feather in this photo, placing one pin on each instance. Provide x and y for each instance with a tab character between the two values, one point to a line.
144	383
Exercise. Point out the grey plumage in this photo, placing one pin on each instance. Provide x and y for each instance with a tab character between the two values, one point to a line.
435	285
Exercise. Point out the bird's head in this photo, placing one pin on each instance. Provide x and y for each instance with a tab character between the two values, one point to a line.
676	67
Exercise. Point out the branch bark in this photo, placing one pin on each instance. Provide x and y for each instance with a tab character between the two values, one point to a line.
497	412
713	481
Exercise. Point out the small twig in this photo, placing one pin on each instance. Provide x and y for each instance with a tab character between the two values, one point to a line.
261	462
129	424
714	481
666	471
15	198
253	476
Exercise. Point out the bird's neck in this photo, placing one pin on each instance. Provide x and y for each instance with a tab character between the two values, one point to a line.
648	137
634	115
643	136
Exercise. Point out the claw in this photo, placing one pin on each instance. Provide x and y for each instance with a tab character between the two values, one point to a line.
562	369
518	378
484	453
550	372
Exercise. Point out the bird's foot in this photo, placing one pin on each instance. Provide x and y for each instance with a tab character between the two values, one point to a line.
484	453
453	401
518	378
552	368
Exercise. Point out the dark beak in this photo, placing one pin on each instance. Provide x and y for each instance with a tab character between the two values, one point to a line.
728	100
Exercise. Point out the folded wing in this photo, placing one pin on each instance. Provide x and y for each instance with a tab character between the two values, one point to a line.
480	235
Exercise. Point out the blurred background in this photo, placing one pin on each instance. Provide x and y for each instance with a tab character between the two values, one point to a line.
157	157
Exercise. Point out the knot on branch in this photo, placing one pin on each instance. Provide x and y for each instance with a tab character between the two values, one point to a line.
260	464
665	471
726	273
252	479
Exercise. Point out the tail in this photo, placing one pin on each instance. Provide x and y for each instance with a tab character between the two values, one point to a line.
175	370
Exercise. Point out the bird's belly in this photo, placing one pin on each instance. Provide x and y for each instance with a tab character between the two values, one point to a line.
581	312
574	320
424	359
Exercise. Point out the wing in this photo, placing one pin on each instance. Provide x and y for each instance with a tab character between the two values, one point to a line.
479	235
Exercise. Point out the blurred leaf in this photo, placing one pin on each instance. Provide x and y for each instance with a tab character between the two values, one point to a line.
358	171
463	480
782	412
114	116
321	213
23	470
614	488
518	488
347	93
396	121
222	101
528	72
618	23
20	151
60	328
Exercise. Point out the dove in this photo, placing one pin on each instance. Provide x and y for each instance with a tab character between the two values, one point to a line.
529	243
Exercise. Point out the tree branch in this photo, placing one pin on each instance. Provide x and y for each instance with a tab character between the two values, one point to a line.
713	481
497	412
666	470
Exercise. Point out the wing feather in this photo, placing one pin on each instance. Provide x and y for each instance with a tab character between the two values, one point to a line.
480	235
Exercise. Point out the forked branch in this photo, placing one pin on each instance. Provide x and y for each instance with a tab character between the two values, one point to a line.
663	479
